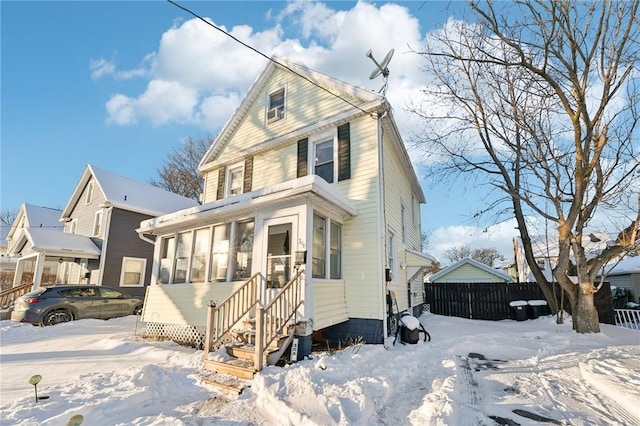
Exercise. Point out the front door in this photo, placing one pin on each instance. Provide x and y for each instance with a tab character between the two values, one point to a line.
279	242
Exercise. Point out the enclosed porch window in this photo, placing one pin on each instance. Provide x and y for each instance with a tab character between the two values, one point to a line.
327	248
216	253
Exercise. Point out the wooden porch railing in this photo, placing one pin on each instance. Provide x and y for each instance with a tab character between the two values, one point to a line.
7	297
272	318
221	318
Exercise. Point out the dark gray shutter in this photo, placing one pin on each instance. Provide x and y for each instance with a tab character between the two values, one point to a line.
303	147
344	152
220	194
248	173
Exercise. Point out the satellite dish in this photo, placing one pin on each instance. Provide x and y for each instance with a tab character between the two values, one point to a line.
381	68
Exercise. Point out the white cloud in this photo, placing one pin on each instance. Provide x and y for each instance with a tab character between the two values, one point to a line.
213	71
499	236
101	67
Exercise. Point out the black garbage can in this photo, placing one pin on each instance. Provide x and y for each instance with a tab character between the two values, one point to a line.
518	309
304	347
536	308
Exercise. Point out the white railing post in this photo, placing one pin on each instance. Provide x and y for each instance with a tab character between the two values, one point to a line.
628	318
259	349
207	336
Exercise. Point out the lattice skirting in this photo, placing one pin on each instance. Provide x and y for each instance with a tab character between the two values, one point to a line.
187	335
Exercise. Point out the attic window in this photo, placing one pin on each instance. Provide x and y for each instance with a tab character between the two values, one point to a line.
275	107
89	193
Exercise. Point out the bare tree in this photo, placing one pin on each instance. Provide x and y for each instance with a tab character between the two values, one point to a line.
538	100
179	171
486	255
455	254
7	217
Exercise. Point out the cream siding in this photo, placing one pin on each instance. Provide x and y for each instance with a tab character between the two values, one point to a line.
210	186
274	167
398	192
362	270
329	303
183	304
304	103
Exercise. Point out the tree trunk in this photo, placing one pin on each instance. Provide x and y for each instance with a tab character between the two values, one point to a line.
583	310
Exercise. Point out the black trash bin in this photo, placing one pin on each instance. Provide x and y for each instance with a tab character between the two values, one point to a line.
518	310
304	347
536	308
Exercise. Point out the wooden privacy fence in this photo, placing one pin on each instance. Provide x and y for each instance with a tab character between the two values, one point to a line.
490	301
487	301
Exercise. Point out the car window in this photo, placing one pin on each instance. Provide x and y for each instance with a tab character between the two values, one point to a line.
79	292
36	292
110	293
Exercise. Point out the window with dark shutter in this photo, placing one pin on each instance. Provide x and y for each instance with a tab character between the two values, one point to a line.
303	146
248	172
344	152
220	192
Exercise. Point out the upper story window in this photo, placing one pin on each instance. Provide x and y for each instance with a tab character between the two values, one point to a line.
327	155
97	223
275	106
89	193
72	226
235	179
323	160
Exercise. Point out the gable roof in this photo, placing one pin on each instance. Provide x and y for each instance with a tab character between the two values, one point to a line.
331	84
630	265
361	101
468	261
56	241
34	217
128	194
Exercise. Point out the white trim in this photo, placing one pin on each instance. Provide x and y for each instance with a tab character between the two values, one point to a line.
276	113
98	221
89	196
142	271
227	181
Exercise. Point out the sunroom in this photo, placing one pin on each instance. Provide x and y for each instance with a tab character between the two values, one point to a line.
205	253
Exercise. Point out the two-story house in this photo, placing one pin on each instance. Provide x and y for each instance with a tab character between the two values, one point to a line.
309	174
95	240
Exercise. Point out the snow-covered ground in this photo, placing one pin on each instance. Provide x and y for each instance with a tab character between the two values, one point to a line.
471	373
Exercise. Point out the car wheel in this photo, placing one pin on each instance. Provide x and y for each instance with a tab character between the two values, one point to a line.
137	310
56	317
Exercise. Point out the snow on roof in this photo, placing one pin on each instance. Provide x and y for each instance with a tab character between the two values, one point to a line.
546	246
47	239
128	194
630	265
39	217
477	264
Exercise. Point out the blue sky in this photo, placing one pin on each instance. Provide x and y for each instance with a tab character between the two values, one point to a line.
120	84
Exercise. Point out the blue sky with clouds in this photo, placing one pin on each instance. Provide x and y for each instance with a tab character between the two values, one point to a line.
120	84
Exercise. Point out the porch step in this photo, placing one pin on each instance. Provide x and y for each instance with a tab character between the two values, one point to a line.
247	352
240	368
226	383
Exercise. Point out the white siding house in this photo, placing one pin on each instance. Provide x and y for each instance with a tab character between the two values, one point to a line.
309	173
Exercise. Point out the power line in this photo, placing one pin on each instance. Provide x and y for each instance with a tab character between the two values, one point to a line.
265	56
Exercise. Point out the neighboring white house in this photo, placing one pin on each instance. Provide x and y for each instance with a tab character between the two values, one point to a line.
469	270
32	220
310	172
545	251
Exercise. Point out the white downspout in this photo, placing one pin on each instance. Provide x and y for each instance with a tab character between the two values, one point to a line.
383	228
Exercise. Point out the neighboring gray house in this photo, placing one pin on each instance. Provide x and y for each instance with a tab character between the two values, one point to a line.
626	274
469	270
97	242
